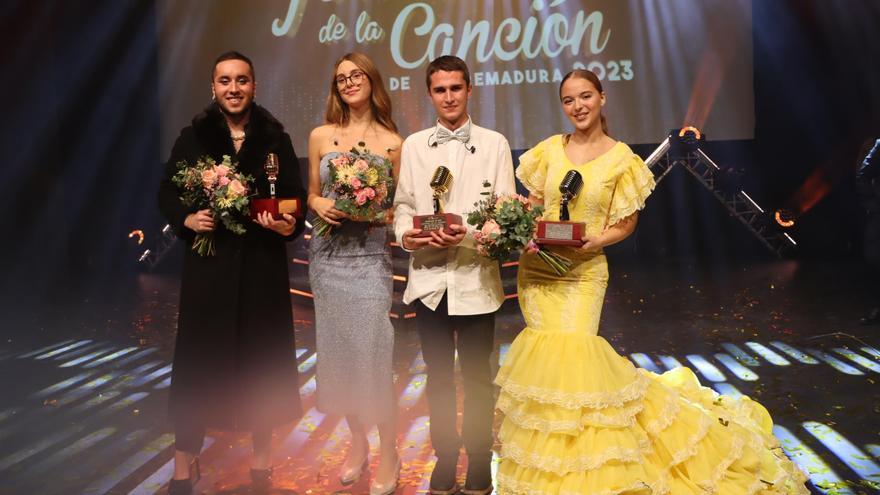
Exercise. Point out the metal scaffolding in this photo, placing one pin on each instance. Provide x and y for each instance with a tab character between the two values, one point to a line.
739	204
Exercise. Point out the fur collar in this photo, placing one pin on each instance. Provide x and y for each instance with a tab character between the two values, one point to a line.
262	132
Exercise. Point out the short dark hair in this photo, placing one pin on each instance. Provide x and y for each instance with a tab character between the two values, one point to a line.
448	63
233	55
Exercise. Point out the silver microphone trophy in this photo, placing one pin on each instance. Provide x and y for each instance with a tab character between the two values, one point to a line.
564	232
276	206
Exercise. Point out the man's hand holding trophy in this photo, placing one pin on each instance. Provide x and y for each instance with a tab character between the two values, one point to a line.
277	207
441	181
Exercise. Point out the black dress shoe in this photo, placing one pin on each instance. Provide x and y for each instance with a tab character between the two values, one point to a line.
443	476
180	487
871	318
185	487
261	481
479	475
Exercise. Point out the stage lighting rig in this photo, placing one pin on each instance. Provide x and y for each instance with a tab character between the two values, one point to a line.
152	256
137	233
784	218
684	147
687	139
729	179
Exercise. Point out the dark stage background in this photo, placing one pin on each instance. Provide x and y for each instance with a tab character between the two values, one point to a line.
83	150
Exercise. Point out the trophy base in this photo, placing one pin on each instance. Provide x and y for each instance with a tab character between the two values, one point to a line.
438	221
276	206
560	233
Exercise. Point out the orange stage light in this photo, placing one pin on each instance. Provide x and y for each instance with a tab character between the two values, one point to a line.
137	233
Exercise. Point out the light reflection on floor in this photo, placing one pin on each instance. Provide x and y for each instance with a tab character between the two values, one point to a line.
78	417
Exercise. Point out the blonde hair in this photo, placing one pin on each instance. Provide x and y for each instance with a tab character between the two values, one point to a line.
337	111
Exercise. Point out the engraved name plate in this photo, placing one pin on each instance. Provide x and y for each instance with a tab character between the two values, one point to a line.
559	231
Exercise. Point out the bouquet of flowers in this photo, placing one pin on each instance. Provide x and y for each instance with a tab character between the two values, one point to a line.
362	183
219	188
507	223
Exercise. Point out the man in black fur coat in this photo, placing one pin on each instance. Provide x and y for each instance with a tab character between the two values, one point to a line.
234	359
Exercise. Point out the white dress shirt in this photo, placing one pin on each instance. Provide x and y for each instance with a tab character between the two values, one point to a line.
472	282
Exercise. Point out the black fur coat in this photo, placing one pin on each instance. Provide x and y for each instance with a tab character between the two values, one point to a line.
234	361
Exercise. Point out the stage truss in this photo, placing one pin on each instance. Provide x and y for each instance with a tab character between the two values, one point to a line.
671	153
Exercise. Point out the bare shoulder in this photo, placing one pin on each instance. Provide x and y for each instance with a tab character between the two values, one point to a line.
391	141
322	131
320	138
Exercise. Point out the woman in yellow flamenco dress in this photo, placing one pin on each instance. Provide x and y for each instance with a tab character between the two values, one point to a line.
578	417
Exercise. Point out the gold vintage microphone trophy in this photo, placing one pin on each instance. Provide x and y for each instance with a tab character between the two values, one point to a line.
276	206
564	232
440	183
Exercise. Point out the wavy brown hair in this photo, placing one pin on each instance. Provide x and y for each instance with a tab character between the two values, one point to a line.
594	80
337	111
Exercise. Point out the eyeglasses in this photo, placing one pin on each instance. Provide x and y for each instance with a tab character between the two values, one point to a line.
355	79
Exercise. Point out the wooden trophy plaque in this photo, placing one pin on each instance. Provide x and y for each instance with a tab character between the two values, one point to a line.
440	183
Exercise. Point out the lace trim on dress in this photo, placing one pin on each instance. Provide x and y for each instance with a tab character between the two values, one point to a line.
507	405
577	400
736	451
693	442
783	476
666	417
759	485
790	479
784	481
510	486
532	169
637	193
562	466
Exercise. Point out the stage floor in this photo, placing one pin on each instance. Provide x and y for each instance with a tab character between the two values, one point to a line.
84	387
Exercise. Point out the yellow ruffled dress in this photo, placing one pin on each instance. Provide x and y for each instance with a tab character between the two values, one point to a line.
581	419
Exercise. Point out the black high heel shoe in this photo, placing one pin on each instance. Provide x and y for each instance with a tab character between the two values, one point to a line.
261	481
185	487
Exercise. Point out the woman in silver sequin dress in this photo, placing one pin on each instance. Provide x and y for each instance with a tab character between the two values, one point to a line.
350	275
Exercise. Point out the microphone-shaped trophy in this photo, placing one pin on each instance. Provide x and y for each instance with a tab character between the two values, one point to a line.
276	206
441	181
564	232
271	168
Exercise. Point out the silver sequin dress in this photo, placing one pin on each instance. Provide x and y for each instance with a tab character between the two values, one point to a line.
350	275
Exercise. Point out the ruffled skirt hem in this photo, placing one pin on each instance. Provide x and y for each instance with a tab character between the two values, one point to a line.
579	418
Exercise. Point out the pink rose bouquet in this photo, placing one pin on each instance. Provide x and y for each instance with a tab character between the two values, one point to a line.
217	187
507	223
362	184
